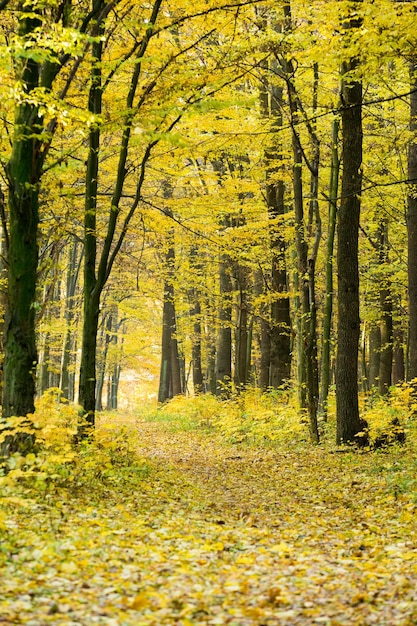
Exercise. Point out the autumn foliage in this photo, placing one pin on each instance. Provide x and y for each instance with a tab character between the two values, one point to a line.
205	512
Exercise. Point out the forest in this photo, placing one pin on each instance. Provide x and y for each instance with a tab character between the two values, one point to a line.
208	312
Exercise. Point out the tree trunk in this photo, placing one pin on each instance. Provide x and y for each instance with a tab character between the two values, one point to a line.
170	373
92	290
195	315
276	347
412	226
264	338
195	312
306	317
23	174
101	366
224	333
67	382
374	357
349	423
241	374
386	323
328	297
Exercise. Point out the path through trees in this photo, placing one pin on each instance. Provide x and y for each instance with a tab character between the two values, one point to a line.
219	534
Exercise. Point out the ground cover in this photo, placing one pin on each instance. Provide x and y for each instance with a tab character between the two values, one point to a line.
202	531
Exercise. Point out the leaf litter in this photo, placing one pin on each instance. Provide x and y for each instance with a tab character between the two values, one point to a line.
218	534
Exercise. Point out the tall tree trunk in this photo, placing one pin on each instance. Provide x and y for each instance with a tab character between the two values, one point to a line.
92	292
4	246
170	373
349	423
23	174
386	323
306	319
276	347
328	301
412	227
67	382
95	278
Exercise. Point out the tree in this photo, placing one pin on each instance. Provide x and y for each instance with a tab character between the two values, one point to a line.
170	375
276	330
23	175
349	424
412	225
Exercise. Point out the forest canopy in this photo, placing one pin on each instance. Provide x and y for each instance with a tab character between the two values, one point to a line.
208	198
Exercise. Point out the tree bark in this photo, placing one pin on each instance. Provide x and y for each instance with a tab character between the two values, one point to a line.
412	226
92	291
67	381
329	296
170	373
374	356
276	347
23	173
224	333
386	323
349	423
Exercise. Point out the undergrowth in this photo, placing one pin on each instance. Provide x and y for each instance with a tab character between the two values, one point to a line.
107	457
273	418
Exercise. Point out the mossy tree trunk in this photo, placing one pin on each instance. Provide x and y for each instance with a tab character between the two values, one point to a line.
23	174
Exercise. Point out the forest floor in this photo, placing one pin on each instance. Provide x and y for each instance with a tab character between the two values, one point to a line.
214	533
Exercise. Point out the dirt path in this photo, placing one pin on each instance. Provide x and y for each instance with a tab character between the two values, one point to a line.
218	534
331	543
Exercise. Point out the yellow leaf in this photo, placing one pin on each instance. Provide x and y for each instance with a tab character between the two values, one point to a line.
69	567
141	601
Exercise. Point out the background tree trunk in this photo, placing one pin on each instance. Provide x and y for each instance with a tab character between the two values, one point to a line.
224	333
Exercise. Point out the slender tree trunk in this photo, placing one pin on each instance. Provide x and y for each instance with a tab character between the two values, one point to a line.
92	291
102	363
170	374
349	423
307	367
224	333
67	376
386	323
374	356
412	227
195	314
328	301
398	361
4	246
242	333
276	347
95	278
264	338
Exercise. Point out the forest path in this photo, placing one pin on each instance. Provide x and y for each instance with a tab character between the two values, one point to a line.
324	536
217	534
